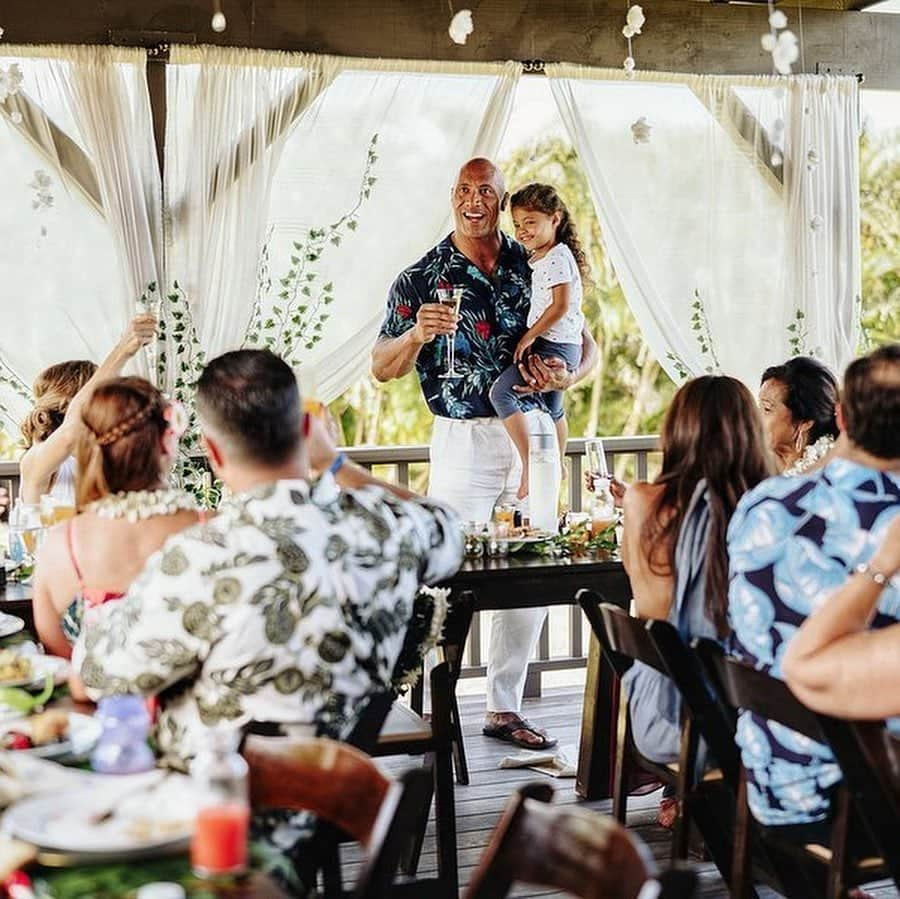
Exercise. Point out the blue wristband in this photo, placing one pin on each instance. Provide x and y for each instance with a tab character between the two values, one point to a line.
338	463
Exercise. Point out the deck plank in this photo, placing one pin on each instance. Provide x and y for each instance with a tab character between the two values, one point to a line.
479	805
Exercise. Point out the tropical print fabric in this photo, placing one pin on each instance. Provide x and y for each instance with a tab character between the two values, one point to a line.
493	314
290	606
792	542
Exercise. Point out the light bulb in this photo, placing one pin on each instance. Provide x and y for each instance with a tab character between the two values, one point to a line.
218	22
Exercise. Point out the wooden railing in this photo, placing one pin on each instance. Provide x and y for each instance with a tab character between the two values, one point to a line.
629	457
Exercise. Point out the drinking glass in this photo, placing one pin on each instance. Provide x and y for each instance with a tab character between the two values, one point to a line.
150	306
504	514
53	510
451	297
25	531
596	459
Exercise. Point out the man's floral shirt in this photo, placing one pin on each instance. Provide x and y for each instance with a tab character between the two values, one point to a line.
289	606
494	312
792	542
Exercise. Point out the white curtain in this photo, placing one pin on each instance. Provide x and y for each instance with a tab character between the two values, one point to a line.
81	209
229	112
736	246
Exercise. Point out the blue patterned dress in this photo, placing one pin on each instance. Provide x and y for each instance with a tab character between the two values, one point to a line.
792	542
493	312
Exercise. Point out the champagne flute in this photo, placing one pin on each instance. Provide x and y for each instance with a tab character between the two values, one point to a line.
450	298
151	306
596	459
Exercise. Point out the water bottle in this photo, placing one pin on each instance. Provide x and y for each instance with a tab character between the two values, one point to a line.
122	747
219	774
543	481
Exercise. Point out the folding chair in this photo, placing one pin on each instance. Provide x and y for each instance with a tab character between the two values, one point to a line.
528	846
803	870
343	787
701	798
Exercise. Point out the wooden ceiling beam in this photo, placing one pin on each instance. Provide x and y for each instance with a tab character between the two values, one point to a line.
680	35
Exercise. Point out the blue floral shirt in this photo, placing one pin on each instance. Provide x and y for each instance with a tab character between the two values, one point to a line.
792	542
493	312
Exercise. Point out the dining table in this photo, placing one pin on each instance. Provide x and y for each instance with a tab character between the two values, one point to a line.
527	580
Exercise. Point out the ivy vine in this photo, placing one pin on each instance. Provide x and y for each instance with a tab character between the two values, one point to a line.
798	334
700	327
681	370
293	321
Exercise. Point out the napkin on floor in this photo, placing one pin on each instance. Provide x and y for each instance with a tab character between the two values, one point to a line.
555	763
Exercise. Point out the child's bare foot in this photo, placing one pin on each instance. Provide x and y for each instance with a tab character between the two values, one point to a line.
522	492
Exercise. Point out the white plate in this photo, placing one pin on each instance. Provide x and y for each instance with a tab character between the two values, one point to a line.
84	732
41	666
63	821
10	625
521	541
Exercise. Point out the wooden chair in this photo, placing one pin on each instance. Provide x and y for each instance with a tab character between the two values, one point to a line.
564	848
405	732
869	757
343	787
803	870
657	644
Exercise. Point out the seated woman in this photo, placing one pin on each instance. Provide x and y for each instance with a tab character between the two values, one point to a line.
797	401
673	544
51	429
838	665
127	511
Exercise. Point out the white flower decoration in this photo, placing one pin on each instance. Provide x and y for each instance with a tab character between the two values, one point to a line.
816	223
43	199
635	20
10	81
786	52
640	131
461	26
1	34
628	31
16	117
628	65
778	20
768	41
812	159
777	158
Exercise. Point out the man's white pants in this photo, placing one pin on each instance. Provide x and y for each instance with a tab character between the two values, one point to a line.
474	465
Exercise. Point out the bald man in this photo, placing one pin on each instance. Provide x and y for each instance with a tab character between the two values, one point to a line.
473	462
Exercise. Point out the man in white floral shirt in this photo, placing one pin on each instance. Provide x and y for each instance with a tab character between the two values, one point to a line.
292	604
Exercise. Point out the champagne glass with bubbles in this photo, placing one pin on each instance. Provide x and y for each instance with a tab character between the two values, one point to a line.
150	305
450	298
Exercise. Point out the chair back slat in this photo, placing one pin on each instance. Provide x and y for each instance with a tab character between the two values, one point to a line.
334	781
760	693
526	848
625	639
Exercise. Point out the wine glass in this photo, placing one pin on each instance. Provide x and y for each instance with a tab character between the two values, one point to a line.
451	297
150	306
596	459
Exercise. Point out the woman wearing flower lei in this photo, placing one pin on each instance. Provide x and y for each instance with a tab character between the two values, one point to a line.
124	455
797	401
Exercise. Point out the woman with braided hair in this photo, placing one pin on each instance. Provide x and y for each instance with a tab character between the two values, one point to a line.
127	445
50	430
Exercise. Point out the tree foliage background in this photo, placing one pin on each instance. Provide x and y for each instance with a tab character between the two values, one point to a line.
628	392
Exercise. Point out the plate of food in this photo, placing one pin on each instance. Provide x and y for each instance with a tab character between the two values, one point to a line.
10	624
522	536
21	669
109	819
51	734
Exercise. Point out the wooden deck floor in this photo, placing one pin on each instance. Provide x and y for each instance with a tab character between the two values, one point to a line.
478	806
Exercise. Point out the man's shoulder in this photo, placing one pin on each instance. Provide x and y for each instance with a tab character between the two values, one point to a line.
421	267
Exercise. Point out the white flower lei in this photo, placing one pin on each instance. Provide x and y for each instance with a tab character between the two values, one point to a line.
137	505
814	453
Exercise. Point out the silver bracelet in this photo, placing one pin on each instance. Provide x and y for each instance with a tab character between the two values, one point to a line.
872	574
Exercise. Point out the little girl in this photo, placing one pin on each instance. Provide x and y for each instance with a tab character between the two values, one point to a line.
555	320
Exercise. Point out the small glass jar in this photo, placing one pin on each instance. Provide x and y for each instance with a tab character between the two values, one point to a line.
473	534
122	747
219	775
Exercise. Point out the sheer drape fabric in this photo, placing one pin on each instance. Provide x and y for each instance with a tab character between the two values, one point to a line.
734	251
81	207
